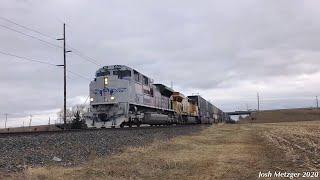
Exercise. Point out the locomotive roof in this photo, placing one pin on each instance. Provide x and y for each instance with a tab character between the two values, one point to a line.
202	99
164	90
111	67
117	67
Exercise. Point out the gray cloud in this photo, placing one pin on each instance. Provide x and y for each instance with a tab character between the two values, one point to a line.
223	50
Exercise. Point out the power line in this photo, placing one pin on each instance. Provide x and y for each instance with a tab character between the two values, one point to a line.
25	27
85	57
33	37
86	100
42	62
77	52
79	75
27	59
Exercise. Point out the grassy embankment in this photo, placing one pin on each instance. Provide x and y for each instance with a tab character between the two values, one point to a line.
283	115
30	129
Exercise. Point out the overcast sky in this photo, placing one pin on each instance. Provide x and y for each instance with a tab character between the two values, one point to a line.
226	51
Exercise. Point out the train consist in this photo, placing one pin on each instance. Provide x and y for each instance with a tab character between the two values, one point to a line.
121	96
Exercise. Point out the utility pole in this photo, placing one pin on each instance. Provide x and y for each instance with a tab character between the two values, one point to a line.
30	120
317	102
258	98
49	124
5	122
64	75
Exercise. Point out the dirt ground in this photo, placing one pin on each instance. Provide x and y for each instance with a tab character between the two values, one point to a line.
224	151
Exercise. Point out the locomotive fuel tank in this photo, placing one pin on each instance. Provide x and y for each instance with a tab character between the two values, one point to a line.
155	119
192	120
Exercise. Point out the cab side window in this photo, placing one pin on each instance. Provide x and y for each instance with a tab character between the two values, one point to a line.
145	80
136	76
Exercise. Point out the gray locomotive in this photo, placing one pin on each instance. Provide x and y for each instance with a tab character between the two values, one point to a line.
121	96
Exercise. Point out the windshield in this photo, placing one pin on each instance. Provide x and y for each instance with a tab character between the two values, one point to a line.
122	73
103	73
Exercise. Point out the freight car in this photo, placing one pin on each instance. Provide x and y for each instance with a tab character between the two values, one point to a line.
121	96
186	110
205	109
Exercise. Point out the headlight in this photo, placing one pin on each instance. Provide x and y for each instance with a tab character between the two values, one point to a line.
105	82
91	99
112	97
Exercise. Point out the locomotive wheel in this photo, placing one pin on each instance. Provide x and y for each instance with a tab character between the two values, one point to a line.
121	125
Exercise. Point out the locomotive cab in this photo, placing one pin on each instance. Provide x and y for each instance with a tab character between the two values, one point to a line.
109	94
120	96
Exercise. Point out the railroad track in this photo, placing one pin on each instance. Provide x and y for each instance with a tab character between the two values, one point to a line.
26	133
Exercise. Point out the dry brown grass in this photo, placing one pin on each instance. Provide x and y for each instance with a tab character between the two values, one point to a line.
237	151
299	140
30	129
223	152
286	115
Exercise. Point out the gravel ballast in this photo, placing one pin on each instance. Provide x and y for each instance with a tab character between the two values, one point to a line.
74	148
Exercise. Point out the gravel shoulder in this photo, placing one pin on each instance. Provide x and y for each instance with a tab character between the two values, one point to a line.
74	148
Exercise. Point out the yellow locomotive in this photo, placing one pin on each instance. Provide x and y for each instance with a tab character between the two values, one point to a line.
185	108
